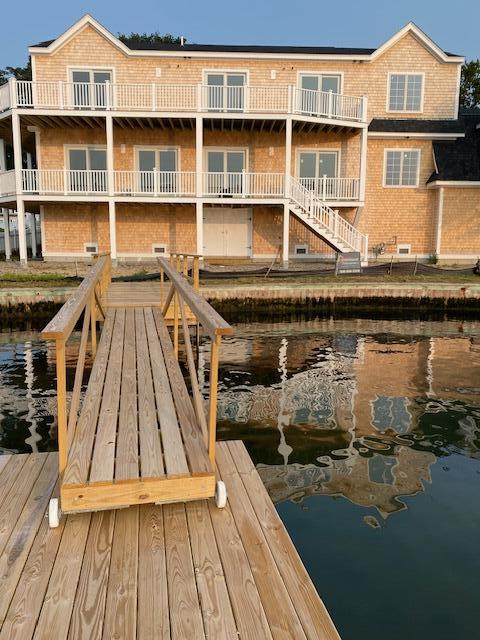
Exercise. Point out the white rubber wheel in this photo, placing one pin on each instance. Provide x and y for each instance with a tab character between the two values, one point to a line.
53	513
220	494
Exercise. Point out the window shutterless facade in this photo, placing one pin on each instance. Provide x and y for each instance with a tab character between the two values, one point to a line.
401	167
87	169
405	92
89	87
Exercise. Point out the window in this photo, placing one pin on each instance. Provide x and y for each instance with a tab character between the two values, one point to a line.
88	169
391	413
225	171
314	95
405	92
89	88
158	170
315	165
226	91
401	168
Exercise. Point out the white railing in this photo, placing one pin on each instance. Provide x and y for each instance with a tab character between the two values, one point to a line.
64	182
333	188
159	97
243	185
328	219
5	97
7	183
327	104
155	183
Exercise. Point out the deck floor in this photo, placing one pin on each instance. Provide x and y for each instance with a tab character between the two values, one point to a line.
183	571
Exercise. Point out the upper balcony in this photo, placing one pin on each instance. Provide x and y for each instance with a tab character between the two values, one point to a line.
161	98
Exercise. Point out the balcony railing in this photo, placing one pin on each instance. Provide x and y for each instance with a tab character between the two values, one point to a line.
155	183
7	183
155	97
64	182
333	188
243	185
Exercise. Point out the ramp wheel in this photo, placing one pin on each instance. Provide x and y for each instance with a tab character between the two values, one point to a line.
54	513
220	494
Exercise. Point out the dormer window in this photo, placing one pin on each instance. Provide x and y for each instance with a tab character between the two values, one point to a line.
405	92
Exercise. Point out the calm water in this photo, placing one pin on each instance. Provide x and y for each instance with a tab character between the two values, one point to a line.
367	436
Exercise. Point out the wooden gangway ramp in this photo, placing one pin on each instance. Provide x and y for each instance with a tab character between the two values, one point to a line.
182	571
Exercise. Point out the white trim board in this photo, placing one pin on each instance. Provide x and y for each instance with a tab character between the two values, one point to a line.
421	136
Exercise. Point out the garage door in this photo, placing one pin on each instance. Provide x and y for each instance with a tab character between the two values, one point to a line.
227	232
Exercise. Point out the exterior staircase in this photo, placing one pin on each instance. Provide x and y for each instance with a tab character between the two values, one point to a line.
324	222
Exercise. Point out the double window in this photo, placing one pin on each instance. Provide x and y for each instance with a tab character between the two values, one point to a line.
405	92
313	166
158	170
89	87
225	171
226	91
88	169
401	167
313	96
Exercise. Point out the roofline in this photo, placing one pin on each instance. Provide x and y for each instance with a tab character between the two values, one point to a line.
453	183
407	134
87	19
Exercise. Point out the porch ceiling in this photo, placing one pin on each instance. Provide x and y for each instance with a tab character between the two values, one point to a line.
303	126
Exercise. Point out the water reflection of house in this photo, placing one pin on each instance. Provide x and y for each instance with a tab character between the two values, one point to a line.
460	356
375	481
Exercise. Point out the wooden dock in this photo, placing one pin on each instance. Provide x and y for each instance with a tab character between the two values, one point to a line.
185	571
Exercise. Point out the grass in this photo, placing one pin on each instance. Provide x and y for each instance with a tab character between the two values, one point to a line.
27	279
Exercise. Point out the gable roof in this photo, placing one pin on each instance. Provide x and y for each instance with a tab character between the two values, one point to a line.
367	54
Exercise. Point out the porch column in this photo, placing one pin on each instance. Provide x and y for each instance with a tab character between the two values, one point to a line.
288	156
110	169
286	234
6	234
363	162
33	234
199	156
3	159
42	229
438	230
112	219
199	227
17	157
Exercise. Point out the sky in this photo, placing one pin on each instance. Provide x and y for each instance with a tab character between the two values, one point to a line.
355	23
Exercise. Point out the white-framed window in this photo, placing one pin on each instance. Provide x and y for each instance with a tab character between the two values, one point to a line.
401	168
301	249
89	87
87	169
321	82
90	247
225	169
315	164
405	92
225	90
404	249
313	97
157	167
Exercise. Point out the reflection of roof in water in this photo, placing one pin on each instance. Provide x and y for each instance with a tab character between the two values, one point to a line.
374	481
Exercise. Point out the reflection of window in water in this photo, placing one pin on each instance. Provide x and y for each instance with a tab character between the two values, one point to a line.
391	413
380	469
345	343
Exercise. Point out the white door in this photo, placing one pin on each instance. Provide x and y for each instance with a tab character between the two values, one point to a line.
227	232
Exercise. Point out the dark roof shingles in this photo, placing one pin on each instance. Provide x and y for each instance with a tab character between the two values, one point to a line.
415	125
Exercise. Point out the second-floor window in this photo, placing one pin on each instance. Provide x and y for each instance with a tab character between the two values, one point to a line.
313	97
313	166
90	88
158	170
405	92
401	167
225	171
226	91
88	169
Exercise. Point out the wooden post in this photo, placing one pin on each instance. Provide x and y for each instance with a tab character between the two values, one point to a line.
175	324
196	273
61	405
212	408
93	320
162	283
185	266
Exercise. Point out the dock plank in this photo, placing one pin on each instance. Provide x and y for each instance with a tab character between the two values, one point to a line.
10	472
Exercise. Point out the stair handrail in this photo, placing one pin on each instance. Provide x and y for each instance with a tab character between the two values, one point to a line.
326	216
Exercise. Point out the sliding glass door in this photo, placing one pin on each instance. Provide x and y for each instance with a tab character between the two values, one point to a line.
88	170
90	88
225	172
315	165
313	96
158	170
226	91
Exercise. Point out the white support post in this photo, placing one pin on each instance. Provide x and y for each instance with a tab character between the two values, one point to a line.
17	156
288	156
6	234
199	227
42	229
285	234
363	162
113	229
110	169
199	155
438	231
33	235
3	159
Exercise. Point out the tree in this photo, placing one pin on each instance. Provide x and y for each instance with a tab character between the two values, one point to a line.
20	73
470	84
149	38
